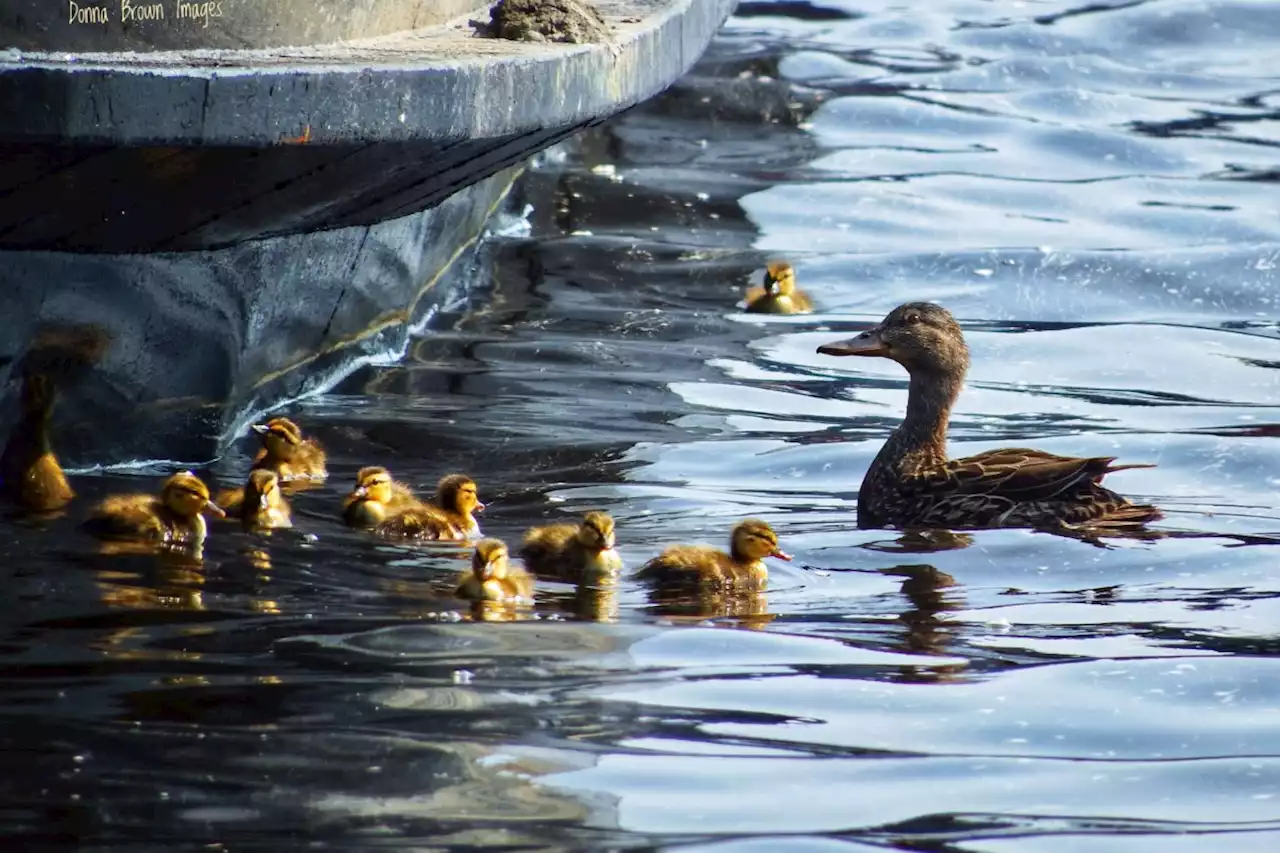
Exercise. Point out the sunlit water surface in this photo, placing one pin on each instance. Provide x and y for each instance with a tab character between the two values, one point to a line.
1091	188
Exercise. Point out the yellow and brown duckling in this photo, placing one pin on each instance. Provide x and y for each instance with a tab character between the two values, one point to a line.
779	295
913	483
264	506
702	567
450	515
492	577
30	475
174	517
376	496
582	553
288	453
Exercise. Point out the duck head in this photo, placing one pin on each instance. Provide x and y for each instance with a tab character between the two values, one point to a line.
921	336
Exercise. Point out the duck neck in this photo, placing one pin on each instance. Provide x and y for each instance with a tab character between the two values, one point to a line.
923	432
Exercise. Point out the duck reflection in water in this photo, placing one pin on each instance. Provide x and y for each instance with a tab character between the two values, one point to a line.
931	593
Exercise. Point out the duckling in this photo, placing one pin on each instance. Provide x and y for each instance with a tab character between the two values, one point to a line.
286	452
704	567
448	516
581	553
264	506
173	518
30	475
376	496
492	577
779	294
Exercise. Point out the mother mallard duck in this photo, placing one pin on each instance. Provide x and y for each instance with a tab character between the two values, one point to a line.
912	483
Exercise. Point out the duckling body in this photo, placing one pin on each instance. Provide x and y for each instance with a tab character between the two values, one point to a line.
581	553
285	451
375	497
702	567
30	474
779	295
264	506
175	517
492	577
449	516
913	483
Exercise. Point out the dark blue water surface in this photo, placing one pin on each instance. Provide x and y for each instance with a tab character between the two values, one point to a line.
1090	187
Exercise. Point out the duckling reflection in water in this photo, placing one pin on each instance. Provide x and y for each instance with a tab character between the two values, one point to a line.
493	578
779	295
580	553
30	475
748	610
704	567
392	511
288	453
175	517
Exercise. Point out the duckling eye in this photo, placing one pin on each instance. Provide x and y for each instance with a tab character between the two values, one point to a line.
912	319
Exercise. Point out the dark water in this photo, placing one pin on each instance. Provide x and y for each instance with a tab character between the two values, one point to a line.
1091	188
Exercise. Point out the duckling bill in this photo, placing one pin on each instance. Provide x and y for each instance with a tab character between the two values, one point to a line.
913	483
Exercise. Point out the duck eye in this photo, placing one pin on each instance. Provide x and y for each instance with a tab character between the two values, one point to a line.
912	319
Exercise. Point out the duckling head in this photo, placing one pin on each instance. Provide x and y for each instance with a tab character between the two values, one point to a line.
263	490
280	436
779	279
373	484
754	540
186	496
596	531
490	560
457	492
921	336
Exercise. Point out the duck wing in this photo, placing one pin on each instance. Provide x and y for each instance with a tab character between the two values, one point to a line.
1025	474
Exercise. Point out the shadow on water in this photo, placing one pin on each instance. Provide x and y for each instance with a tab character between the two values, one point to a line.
1084	185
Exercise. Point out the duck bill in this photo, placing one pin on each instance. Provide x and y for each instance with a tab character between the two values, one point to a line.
360	493
867	343
213	509
479	507
260	429
781	554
